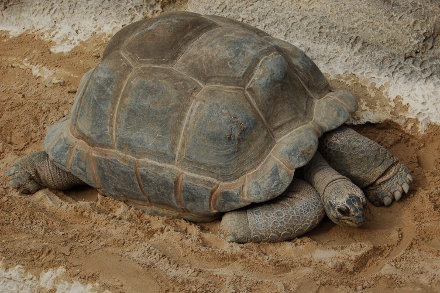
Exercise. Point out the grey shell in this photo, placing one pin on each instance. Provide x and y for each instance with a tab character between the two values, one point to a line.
196	115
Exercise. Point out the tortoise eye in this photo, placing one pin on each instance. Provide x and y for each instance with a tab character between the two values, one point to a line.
343	210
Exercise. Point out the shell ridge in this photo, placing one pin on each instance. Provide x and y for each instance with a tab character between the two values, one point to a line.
70	156
178	190
295	72
114	120
127	58
192	43
139	181
244	190
309	107
93	167
247	76
254	105
188	117
283	164
80	102
213	198
182	53
250	71
189	76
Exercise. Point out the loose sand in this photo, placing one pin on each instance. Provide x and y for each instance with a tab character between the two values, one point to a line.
100	241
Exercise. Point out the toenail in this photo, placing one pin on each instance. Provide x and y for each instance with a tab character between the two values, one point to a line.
387	201
397	195
229	239
405	187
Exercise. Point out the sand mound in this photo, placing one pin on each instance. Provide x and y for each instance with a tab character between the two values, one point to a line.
99	241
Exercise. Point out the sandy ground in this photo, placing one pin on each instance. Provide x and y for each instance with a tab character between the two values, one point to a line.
96	240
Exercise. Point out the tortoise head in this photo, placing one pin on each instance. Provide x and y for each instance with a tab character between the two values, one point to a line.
345	204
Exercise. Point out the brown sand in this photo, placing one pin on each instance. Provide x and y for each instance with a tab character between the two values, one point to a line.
101	240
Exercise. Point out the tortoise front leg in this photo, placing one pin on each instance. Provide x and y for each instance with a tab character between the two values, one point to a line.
295	212
36	171
368	164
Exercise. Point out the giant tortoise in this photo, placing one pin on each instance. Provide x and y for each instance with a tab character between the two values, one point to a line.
200	116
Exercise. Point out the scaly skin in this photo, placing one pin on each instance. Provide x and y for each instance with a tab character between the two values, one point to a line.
296	211
36	171
369	165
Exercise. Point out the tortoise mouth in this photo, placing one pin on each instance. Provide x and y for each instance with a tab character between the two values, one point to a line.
353	221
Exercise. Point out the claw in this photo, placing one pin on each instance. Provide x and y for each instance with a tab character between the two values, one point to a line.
387	200
397	195
405	187
409	177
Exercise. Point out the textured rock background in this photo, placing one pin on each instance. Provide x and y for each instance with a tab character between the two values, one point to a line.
385	52
68	22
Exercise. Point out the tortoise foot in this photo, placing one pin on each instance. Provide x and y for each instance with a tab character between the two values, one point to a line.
24	173
390	186
234	227
36	171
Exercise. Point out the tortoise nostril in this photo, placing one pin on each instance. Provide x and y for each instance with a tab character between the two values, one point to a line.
343	210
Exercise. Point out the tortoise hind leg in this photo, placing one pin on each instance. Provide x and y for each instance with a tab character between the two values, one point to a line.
369	165
295	212
36	171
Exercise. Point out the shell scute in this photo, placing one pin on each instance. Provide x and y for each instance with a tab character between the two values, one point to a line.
152	112
117	176
305	69
281	97
158	183
82	165
225	138
268	181
196	193
161	41
223	57
94	120
231	196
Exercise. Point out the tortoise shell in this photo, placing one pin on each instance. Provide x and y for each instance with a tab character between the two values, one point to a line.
196	115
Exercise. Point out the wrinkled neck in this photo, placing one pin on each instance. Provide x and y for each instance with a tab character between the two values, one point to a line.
321	175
